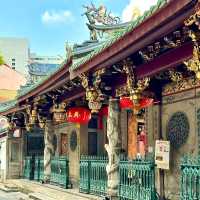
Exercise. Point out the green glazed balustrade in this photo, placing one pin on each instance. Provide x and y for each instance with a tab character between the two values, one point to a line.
93	178
28	168
60	171
137	178
190	178
34	169
38	169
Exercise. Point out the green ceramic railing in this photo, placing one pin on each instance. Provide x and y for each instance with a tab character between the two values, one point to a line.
34	169
137	178
28	168
60	171
93	177
38	168
190	178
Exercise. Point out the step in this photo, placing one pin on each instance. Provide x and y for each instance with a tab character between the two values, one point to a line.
7	188
39	196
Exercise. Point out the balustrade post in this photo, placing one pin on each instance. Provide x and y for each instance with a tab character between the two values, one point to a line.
113	148
48	150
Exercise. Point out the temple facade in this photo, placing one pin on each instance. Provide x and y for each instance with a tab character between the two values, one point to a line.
120	116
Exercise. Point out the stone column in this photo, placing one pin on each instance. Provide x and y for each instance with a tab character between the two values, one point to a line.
113	148
48	149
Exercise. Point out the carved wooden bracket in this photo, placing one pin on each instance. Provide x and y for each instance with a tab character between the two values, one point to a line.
134	87
194	63
93	91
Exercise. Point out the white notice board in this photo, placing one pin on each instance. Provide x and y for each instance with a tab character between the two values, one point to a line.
162	152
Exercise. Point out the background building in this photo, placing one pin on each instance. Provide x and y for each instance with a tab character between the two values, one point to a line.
15	52
41	66
10	82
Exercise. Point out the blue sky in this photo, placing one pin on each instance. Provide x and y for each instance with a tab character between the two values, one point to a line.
49	23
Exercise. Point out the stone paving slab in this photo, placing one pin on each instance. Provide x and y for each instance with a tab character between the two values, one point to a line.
39	196
8	187
13	196
40	191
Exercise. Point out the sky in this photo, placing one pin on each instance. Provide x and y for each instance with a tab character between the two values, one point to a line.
48	24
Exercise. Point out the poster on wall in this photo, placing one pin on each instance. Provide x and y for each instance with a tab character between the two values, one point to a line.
162	154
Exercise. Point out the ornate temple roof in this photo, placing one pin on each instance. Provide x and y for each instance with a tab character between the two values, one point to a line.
109	26
80	50
7	105
89	49
41	69
119	34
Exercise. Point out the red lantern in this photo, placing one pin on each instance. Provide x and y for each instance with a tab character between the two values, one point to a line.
126	103
146	102
78	115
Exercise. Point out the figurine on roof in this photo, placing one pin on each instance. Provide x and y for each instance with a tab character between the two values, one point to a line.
98	16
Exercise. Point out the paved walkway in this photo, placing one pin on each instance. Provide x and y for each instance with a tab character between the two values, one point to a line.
12	195
49	192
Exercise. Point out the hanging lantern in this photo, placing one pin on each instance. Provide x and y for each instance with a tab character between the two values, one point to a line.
146	102
58	111
78	115
94	106
126	103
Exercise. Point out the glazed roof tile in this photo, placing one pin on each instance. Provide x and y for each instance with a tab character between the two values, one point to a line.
7	105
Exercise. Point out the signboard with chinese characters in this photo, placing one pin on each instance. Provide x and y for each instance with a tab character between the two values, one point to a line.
78	115
162	152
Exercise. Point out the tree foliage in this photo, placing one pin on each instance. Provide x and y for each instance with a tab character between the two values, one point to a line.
1	60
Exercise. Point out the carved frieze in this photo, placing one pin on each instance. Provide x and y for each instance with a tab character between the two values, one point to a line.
180	86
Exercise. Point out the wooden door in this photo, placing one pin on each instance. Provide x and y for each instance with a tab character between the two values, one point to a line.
64	145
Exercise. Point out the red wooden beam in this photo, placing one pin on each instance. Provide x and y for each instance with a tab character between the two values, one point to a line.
165	61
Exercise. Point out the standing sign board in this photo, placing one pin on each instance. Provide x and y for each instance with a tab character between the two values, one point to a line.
162	152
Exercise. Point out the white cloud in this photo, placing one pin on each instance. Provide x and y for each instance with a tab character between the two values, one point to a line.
143	5
52	17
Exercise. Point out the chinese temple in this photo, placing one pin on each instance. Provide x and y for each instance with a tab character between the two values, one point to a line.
96	121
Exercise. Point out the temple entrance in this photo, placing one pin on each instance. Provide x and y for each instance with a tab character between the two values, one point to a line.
92	143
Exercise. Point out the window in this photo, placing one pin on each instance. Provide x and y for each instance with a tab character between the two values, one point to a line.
13	59
13	64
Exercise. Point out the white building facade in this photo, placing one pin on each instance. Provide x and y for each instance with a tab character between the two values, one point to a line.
15	52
